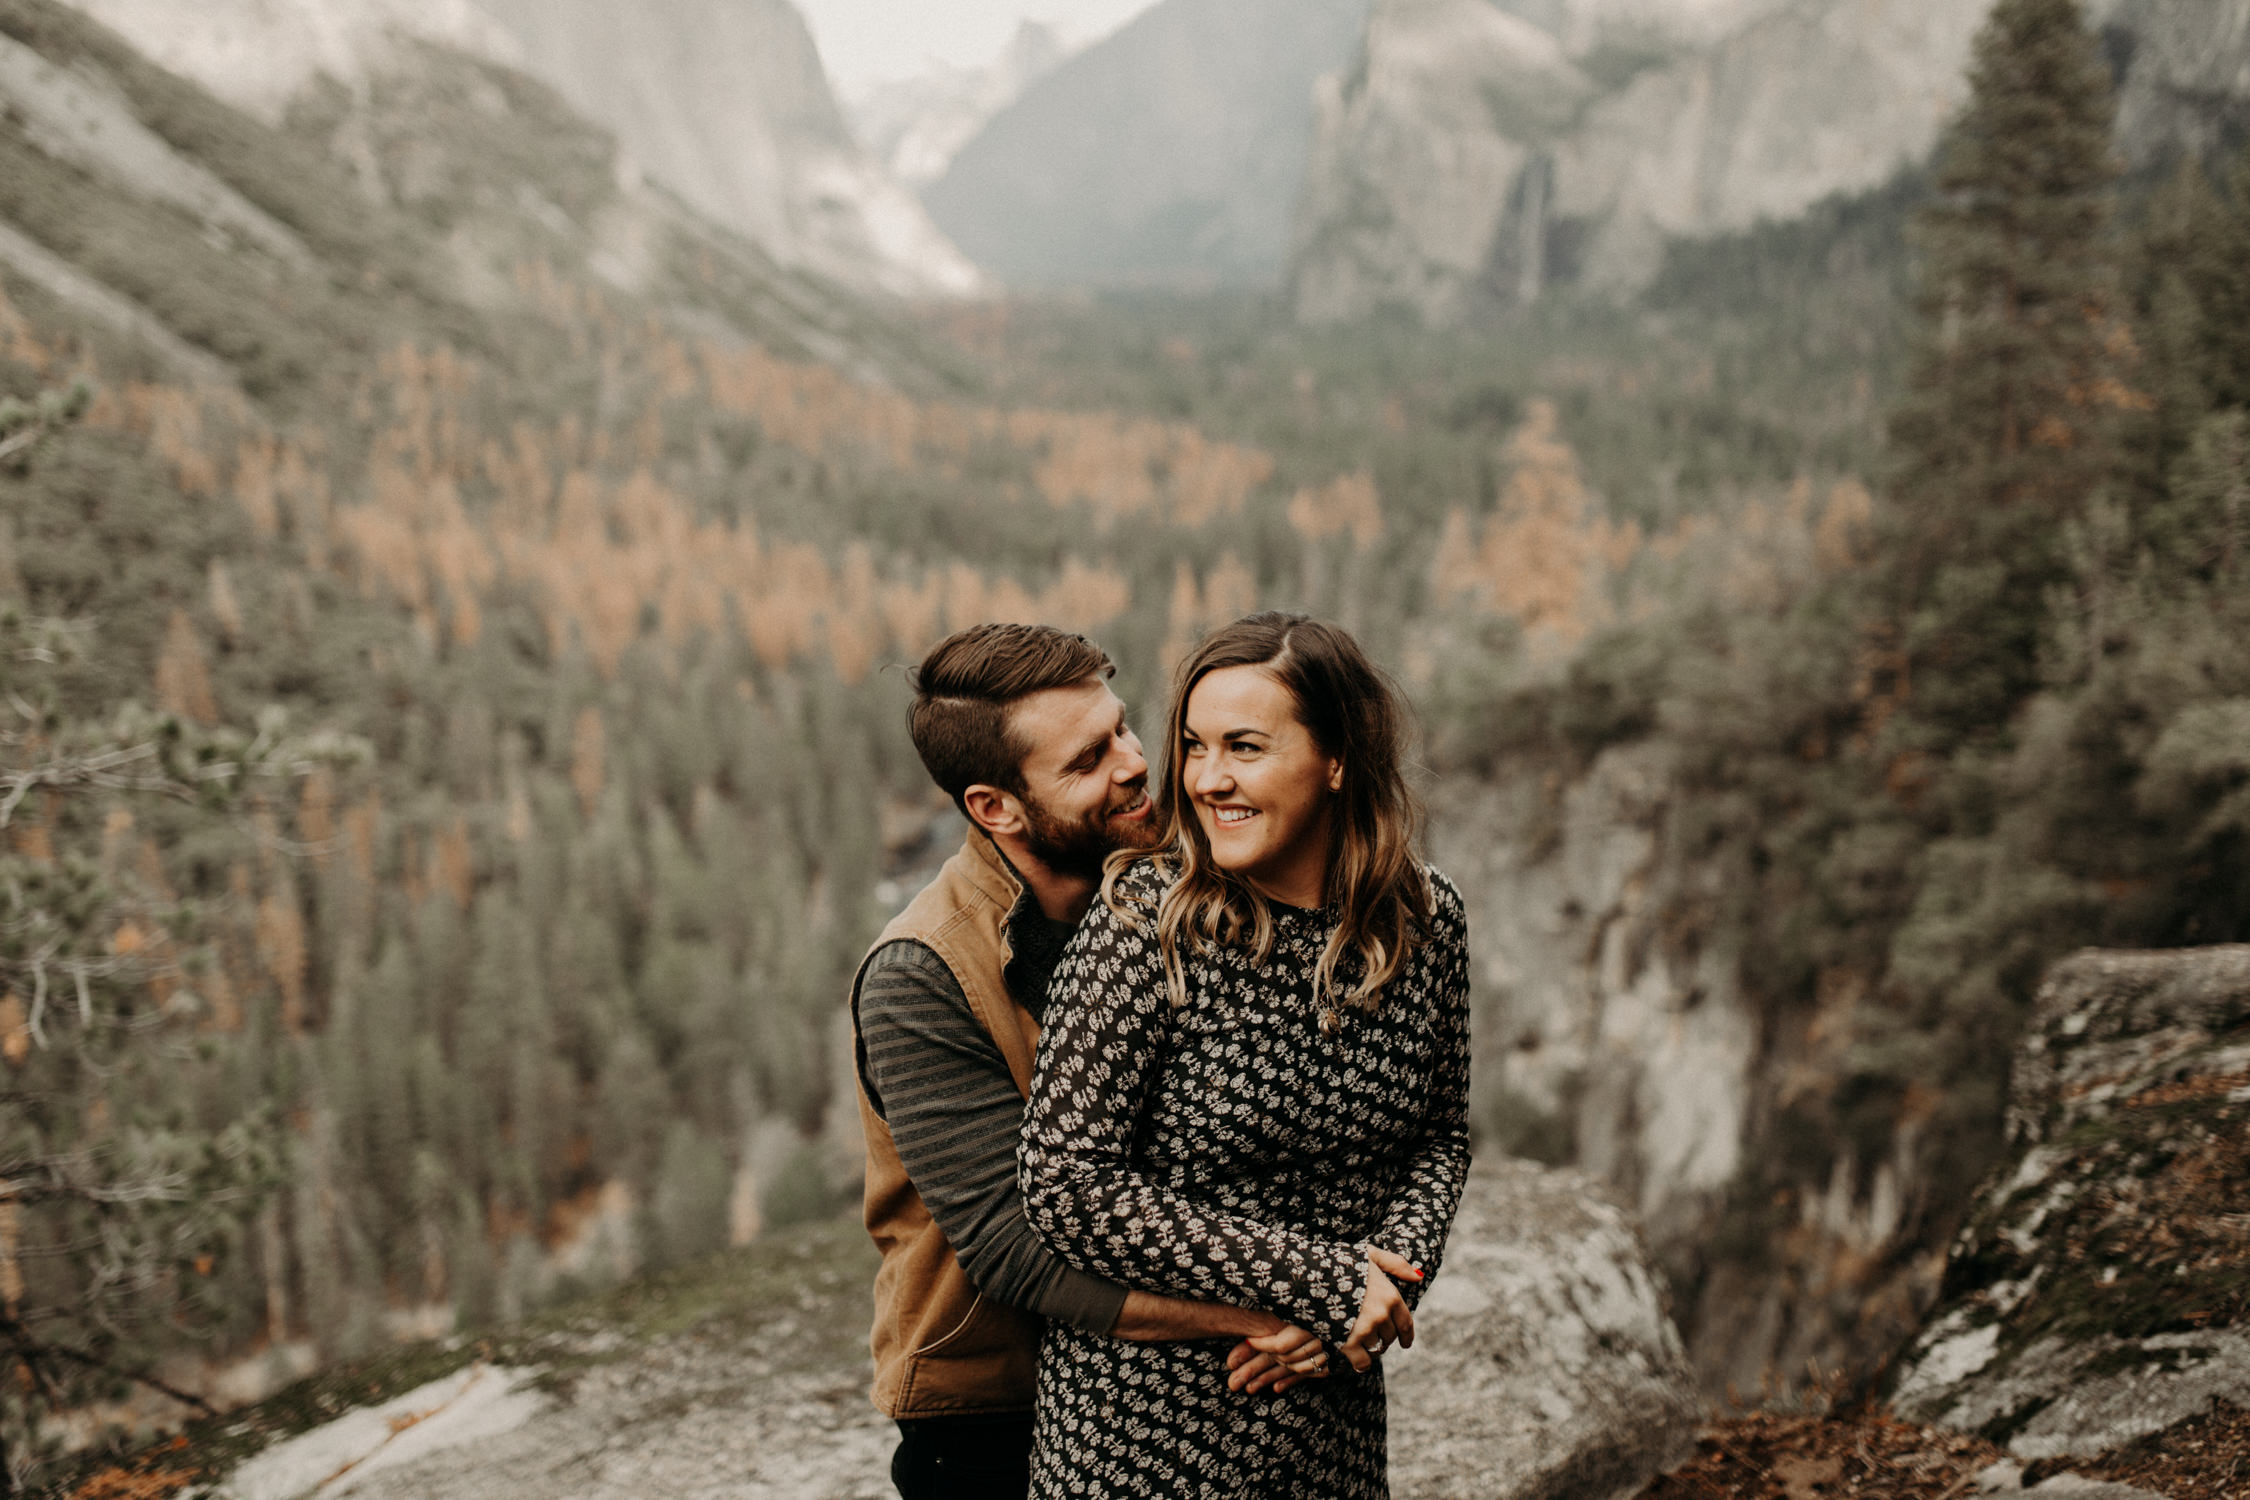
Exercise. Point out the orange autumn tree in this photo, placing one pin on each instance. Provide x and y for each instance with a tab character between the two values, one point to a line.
1545	556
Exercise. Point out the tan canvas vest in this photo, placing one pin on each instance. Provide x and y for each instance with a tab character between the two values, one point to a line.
942	1349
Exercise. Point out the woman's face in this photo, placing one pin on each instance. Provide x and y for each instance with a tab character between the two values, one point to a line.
1260	787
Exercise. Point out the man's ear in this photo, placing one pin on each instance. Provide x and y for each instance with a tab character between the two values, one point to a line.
994	811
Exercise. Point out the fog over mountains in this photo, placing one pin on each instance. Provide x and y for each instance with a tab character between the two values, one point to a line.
916	126
1173	151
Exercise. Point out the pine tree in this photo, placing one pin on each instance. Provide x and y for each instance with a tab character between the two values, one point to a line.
2011	410
2188	271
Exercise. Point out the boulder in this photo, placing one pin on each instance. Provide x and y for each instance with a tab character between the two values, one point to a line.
1545	1364
2098	1293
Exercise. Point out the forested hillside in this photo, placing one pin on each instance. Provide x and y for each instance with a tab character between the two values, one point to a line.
573	538
576	541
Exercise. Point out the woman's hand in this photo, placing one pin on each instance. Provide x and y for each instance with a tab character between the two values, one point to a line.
1384	1318
1276	1361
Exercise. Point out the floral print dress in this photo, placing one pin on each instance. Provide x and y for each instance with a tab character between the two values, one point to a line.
1235	1150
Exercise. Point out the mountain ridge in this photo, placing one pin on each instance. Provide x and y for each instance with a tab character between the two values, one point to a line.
1441	183
725	103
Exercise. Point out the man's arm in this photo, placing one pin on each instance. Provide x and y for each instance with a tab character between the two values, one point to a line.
1146	1317
938	1080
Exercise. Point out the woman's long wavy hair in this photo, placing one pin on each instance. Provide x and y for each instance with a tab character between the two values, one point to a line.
1375	884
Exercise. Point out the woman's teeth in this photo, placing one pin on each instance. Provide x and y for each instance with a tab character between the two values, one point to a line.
1235	814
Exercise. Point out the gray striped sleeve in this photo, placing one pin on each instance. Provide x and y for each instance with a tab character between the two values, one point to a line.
939	1081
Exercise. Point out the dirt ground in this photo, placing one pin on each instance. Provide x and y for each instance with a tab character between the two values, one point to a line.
1871	1456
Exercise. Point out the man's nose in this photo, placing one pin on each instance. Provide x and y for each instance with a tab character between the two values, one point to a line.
1132	765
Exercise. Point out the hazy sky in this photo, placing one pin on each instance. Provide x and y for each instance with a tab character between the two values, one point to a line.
865	41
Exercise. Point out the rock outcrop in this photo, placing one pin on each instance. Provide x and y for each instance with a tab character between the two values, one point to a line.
1544	1368
722	101
2101	1291
1545	1365
1172	151
1481	150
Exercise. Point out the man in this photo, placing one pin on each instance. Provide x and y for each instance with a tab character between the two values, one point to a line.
1017	723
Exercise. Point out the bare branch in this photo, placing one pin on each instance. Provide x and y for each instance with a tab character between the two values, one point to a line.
32	1351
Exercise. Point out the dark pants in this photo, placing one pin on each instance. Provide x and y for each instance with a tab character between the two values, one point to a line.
963	1458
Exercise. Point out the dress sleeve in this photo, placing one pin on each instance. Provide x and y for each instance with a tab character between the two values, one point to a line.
1108	1031
1420	1215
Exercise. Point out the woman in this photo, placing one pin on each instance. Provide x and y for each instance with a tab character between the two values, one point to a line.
1253	1085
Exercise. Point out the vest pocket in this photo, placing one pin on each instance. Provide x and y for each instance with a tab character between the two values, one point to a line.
971	1335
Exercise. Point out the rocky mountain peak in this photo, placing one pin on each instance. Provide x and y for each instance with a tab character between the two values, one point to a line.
724	102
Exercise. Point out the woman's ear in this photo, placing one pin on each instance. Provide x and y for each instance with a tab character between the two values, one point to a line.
1335	776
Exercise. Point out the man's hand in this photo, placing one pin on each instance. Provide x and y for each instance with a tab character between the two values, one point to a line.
1384	1318
1276	1361
1262	1361
1147	1318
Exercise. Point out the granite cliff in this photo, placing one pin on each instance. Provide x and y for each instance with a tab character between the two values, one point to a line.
1479	151
724	104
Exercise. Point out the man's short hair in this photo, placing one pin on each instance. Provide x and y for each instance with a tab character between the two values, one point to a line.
965	686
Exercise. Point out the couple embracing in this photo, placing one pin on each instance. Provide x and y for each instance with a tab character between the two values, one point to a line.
1165	1084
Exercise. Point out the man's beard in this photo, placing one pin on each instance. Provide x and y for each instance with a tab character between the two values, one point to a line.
1078	846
